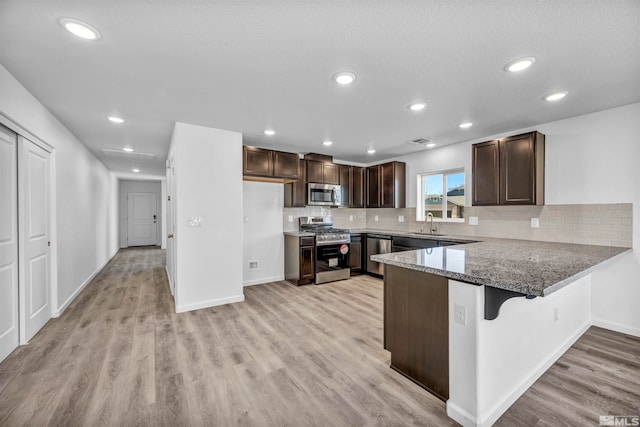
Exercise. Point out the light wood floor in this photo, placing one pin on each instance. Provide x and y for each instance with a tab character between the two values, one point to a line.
287	356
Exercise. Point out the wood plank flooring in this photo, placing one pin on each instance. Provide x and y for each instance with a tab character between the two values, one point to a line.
287	356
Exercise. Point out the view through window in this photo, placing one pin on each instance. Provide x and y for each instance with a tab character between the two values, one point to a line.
442	194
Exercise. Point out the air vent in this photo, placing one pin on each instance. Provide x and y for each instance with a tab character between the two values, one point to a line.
126	155
420	141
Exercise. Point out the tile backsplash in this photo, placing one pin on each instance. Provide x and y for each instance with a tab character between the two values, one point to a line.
594	224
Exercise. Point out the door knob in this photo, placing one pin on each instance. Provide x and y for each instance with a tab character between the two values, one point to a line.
170	236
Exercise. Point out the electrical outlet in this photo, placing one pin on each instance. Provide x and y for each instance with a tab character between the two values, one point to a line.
375	218
473	220
351	218
253	265
460	314
555	315
401	218
535	222
245	219
290	218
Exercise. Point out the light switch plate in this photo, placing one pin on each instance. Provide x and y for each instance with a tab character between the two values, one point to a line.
194	221
535	222
473	220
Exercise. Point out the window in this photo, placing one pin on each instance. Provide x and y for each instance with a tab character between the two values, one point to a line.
442	194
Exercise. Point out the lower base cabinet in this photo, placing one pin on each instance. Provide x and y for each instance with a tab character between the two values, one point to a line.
416	327
299	259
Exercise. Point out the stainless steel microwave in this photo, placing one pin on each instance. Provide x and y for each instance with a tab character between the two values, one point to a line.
323	194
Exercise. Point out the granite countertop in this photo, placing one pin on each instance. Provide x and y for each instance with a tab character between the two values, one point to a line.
528	267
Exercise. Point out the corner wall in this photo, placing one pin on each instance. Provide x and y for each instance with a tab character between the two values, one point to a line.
86	228
208	182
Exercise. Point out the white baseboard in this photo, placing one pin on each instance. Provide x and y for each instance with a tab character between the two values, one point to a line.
262	280
207	304
617	327
57	312
509	398
460	415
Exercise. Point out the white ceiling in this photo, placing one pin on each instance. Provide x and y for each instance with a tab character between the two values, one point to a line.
255	64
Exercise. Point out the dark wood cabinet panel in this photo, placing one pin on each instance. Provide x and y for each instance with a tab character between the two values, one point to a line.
355	253
331	173
392	185
345	184
519	175
373	186
357	187
416	327
257	161
315	171
486	173
286	165
295	193
307	262
509	171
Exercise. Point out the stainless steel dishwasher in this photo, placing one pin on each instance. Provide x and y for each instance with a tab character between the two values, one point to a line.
377	244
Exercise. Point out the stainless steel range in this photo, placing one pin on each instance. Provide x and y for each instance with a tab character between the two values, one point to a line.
332	248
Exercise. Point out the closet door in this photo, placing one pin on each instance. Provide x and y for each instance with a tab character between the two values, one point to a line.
9	331
35	297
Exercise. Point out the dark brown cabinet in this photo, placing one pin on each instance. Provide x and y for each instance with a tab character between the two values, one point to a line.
386	185
323	172
299	259
373	186
352	185
416	327
355	253
295	193
357	187
509	171
261	164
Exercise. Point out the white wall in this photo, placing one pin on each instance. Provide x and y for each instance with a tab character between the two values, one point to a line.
491	363
262	239
590	159
140	187
208	181
86	198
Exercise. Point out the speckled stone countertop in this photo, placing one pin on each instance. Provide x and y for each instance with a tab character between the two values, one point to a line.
529	267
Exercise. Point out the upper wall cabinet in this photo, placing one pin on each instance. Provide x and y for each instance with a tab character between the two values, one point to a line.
509	171
261	164
352	183
295	193
386	185
323	172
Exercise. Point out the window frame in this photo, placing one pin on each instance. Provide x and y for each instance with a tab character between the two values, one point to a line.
420	205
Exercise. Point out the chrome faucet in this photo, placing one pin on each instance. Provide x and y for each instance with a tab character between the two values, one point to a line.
430	218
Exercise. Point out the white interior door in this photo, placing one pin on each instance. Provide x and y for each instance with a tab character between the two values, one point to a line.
171	227
35	305
142	219
9	329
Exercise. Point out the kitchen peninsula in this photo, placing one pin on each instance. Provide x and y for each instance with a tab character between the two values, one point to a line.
477	324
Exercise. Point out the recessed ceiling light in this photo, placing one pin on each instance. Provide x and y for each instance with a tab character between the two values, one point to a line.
556	96
431	145
80	29
520	64
127	149
417	106
136	170
114	119
465	125
371	151
269	132
344	78
327	143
